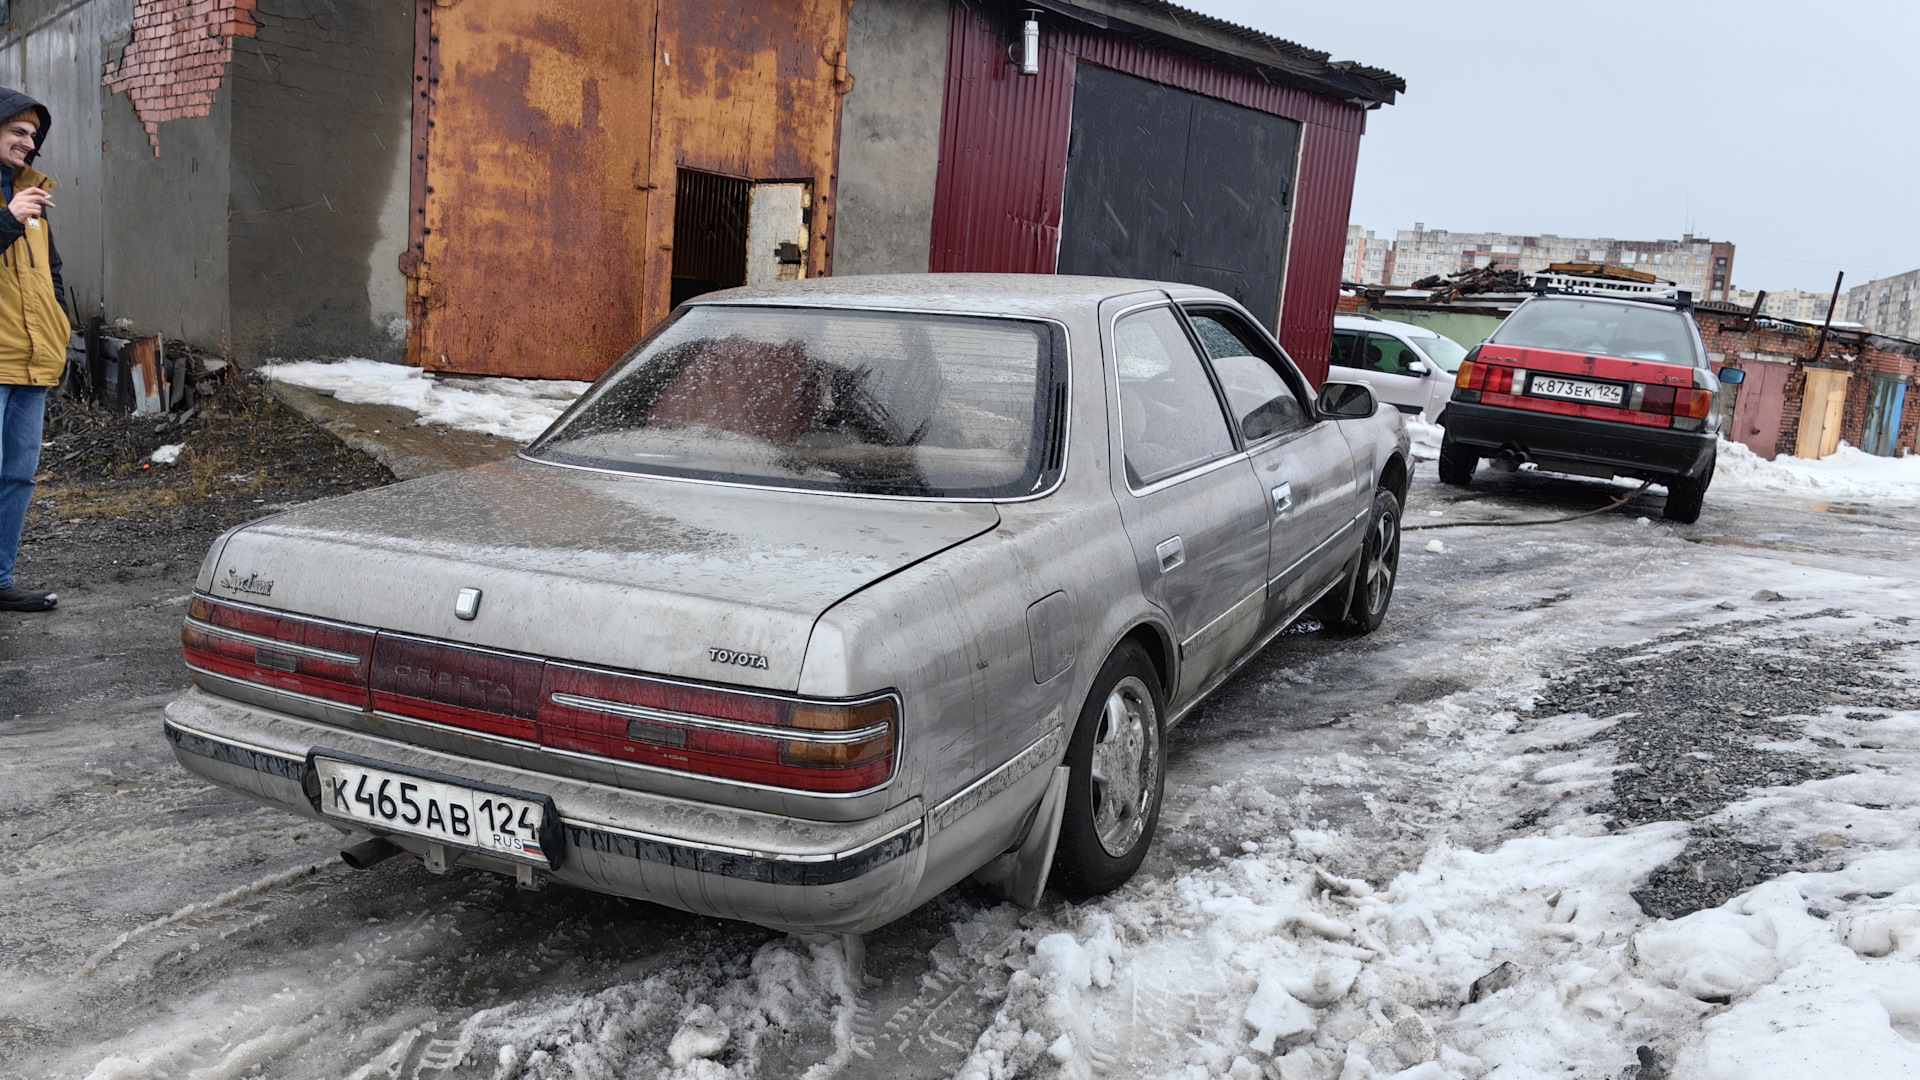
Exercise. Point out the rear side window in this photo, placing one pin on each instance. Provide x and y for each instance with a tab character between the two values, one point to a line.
1170	418
1627	331
1345	344
929	406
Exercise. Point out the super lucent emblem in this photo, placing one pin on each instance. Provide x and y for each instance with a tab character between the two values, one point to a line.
249	584
740	659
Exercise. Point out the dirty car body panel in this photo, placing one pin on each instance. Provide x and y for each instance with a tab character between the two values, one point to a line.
793	646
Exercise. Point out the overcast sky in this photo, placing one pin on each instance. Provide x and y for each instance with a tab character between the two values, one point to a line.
1790	129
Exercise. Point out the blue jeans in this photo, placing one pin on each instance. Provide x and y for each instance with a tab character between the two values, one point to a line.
23	417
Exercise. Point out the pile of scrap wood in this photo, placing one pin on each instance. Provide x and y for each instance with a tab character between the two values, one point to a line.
1485	279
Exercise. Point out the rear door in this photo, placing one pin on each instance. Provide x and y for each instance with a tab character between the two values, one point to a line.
1304	465
1193	511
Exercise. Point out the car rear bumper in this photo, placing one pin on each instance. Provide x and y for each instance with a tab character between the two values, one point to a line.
793	874
1578	444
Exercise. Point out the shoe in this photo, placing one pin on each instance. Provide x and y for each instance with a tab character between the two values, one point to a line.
15	598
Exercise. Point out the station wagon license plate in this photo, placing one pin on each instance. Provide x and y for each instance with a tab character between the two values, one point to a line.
1576	390
480	818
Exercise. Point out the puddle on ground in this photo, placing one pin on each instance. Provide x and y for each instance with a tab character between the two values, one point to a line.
1858	509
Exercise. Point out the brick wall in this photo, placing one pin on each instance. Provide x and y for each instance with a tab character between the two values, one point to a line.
178	57
1727	333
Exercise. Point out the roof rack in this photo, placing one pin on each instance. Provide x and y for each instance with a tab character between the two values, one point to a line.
1665	295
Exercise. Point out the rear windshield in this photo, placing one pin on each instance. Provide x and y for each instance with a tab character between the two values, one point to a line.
1627	331
828	400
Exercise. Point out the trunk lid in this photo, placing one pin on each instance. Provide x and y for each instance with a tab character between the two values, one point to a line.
699	581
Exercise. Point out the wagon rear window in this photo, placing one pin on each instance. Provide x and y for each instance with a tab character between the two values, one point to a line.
833	400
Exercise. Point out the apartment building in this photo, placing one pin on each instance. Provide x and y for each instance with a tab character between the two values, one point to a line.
1886	306
1701	266
1790	304
1368	260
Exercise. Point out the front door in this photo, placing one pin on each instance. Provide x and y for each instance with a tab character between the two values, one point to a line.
1304	466
1188	499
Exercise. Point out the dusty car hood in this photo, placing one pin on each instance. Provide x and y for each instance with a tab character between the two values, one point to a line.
629	572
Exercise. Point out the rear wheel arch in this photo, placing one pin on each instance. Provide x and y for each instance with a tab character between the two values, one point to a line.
1159	649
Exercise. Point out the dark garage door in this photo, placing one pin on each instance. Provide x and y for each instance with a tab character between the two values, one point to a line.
1171	185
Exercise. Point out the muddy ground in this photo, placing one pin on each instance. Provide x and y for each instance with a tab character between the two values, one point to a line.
120	536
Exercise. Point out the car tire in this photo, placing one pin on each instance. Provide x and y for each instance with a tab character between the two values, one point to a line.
1117	774
1456	463
1370	587
1686	494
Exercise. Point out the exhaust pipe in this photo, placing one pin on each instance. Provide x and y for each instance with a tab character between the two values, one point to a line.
1509	459
364	855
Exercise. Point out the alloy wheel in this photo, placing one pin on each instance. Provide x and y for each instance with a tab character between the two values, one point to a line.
1126	766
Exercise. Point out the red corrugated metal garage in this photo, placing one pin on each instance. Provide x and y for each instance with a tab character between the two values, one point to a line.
1023	185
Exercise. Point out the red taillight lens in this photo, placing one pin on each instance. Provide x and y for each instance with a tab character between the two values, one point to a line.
1499	379
824	747
1657	399
1694	403
448	684
285	652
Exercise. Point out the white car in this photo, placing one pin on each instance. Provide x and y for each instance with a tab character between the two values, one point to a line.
1409	367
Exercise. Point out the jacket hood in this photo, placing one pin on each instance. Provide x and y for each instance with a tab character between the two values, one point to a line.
13	103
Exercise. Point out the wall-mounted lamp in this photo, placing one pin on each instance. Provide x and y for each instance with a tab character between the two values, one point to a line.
1029	58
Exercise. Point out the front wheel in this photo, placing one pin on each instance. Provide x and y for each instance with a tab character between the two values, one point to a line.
1117	775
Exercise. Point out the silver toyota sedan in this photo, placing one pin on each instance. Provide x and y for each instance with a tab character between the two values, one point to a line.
825	597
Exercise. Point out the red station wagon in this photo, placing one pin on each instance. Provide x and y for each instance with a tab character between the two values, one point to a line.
1595	386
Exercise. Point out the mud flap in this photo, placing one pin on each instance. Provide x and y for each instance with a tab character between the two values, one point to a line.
1020	875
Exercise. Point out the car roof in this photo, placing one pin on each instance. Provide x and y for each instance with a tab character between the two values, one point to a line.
1661	302
1375	322
1001	294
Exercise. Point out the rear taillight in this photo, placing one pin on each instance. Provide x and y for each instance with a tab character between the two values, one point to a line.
304	656
825	747
1689	408
1471	376
477	689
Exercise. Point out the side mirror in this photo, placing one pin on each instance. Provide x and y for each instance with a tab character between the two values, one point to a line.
1346	401
1732	376
1418	367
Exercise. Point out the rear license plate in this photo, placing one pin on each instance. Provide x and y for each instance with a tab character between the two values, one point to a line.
446	810
1576	390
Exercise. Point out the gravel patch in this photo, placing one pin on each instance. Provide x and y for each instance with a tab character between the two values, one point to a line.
1695	711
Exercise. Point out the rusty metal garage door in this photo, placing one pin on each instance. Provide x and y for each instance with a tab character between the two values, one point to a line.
550	140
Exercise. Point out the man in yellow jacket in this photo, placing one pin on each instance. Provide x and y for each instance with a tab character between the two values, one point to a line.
34	330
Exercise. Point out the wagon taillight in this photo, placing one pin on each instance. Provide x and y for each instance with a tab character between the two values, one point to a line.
284	652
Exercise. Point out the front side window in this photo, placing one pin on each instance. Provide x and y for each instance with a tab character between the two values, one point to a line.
1170	418
828	400
1627	331
1261	398
1388	355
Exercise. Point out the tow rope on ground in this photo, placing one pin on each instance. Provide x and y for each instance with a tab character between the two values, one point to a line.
1614	505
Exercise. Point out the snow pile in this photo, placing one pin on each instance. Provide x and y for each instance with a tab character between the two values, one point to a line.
517	409
1848	473
1527	960
167	454
1426	439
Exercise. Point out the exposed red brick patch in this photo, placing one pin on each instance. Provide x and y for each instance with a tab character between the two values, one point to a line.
179	55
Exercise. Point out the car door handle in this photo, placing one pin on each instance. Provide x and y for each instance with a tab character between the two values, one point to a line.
1283	498
1172	554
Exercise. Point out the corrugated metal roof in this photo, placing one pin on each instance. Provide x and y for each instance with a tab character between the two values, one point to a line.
1239	46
